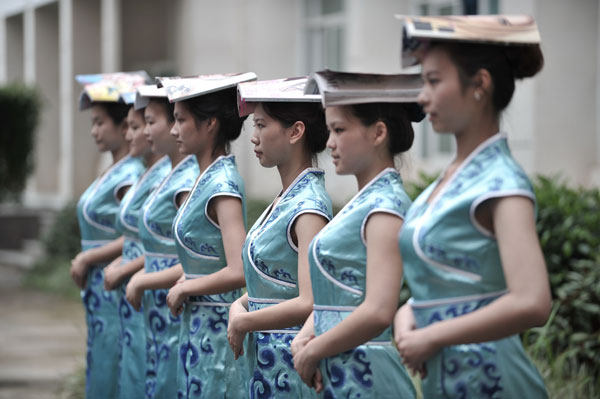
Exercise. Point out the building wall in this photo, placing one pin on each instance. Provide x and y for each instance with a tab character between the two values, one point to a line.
548	133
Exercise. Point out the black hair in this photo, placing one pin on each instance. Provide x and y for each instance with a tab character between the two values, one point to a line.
221	105
504	63
117	112
397	118
311	114
167	106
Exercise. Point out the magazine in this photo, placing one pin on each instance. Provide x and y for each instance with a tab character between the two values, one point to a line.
182	88
279	90
344	88
495	29
144	93
110	87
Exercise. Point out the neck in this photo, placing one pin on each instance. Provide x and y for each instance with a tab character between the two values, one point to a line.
476	133
119	153
151	158
175	156
206	158
291	169
364	177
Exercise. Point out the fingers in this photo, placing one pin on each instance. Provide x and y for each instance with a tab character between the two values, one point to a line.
318	381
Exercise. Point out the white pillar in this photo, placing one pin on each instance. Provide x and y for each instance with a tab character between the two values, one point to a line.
65	47
110	32
3	57
29	45
595	178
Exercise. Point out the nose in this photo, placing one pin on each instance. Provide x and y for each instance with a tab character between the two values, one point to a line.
94	131
147	131
423	97
254	138
174	131
330	142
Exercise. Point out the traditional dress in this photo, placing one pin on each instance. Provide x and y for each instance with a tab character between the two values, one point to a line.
207	368
452	265
97	211
155	231
132	340
338	268
271	269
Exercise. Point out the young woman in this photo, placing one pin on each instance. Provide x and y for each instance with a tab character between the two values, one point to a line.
345	347
287	135
97	211
209	231
471	253
155	232
116	275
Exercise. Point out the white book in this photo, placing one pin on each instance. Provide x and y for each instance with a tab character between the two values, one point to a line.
278	90
144	93
179	89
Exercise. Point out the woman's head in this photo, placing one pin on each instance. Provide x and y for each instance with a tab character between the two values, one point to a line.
109	125
461	79
215	119
138	144
158	116
283	127
361	133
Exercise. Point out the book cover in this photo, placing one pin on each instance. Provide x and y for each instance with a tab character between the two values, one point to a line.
182	88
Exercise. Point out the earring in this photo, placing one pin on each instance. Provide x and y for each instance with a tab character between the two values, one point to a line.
477	96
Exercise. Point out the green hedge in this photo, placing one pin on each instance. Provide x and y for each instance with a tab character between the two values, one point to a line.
19	118
568	225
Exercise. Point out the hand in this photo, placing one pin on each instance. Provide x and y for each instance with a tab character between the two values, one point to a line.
134	291
404	320
306	364
175	298
318	381
79	270
299	342
112	274
235	334
415	348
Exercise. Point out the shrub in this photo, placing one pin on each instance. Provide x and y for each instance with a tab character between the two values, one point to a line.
19	118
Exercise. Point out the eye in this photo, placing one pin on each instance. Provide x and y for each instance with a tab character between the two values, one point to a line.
433	81
338	130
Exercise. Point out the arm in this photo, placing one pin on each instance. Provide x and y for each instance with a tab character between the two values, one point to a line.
291	312
306	334
142	281
231	221
115	273
525	305
376	312
81	264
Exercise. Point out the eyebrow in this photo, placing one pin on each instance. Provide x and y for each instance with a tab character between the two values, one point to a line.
257	119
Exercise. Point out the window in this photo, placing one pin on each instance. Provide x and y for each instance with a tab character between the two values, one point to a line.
324	35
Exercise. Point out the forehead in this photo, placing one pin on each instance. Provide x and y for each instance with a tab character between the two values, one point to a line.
259	112
339	113
98	111
437	59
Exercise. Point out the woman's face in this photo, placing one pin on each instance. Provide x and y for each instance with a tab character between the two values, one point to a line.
108	136
449	104
270	139
351	148
190	135
138	144
157	128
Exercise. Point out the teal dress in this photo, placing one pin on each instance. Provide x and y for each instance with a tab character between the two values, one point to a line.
271	269
155	231
452	266
338	269
132	340
206	366
97	211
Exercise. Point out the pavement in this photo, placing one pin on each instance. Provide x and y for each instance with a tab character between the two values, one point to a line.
42	339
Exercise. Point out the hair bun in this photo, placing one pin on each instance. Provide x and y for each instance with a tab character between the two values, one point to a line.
525	61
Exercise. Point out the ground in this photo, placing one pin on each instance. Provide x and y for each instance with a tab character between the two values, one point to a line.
42	339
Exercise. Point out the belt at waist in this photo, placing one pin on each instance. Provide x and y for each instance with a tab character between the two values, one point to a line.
430	311
261	303
328	316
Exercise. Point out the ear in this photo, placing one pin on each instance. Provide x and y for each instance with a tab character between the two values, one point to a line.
482	82
297	132
123	127
379	133
212	124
